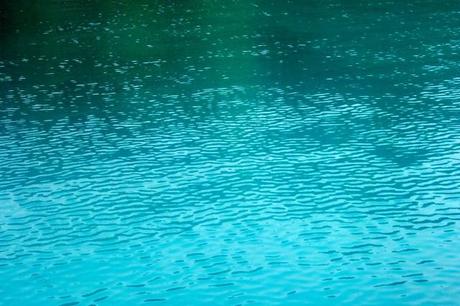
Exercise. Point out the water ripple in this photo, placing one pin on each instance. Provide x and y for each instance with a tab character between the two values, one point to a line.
231	154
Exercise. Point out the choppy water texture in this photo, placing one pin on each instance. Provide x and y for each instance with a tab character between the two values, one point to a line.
230	153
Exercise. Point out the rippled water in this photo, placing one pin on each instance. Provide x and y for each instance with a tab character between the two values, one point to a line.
230	153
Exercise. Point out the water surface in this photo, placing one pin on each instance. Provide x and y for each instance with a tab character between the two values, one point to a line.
230	153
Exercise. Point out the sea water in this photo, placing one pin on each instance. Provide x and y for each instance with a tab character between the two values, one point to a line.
230	153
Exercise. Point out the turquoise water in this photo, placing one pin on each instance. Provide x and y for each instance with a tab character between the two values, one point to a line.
230	153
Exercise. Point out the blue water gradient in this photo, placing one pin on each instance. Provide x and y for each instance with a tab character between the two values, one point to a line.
231	153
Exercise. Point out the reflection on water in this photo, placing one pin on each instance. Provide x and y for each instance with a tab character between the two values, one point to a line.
229	153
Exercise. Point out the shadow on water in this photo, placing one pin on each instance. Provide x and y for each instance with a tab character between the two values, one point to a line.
121	61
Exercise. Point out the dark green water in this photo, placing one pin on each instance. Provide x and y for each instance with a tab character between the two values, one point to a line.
230	152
